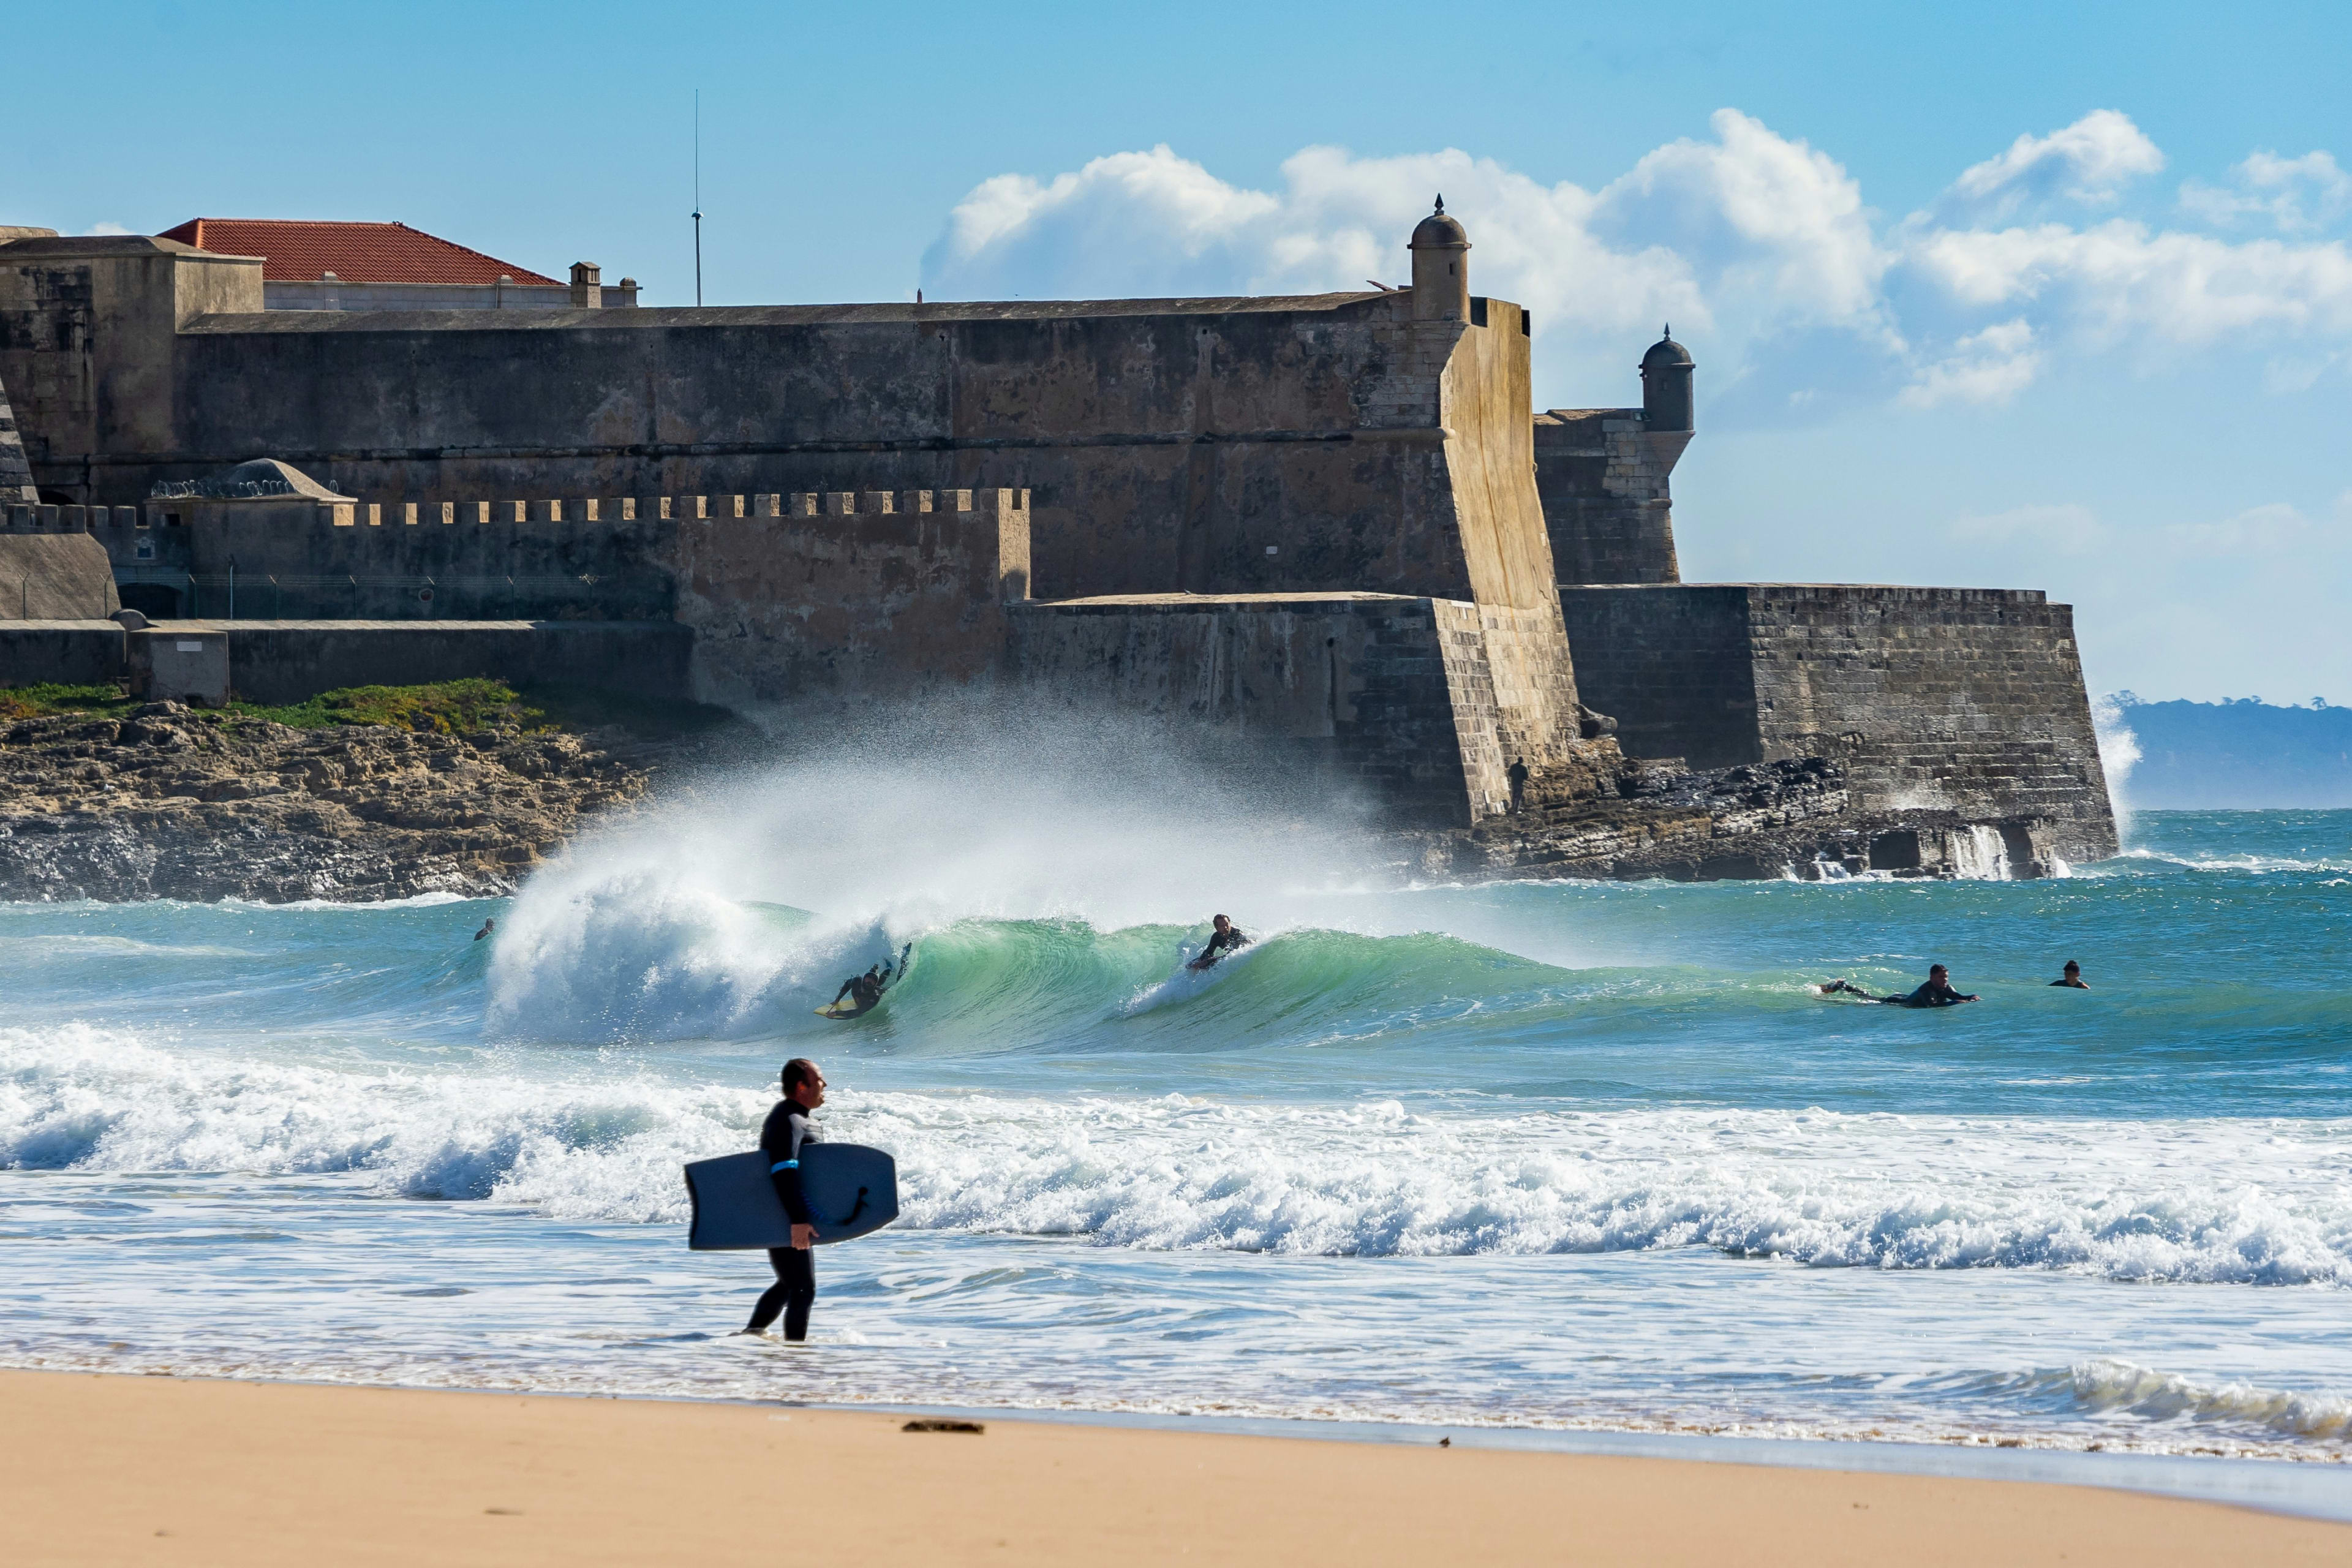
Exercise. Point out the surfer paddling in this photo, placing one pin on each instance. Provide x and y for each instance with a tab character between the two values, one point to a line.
786	1131
1225	937
1936	992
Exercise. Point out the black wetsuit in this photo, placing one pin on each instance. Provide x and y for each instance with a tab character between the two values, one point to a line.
1229	939
794	1291
1931	994
863	989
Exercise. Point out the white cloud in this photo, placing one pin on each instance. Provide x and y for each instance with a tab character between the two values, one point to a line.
1760	248
2089	160
1730	239
2275	529
2296	196
1991	366
2068	529
108	226
2121	279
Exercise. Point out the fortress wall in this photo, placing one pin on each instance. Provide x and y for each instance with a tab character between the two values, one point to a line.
1671	665
1369	698
1489	454
1968	701
1249	445
849	597
289	662
54	577
578	558
72	652
1607	505
88	341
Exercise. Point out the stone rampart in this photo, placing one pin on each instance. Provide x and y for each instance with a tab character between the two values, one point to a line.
288	661
1387	701
850	595
1603	476
1352	695
1962	700
55	576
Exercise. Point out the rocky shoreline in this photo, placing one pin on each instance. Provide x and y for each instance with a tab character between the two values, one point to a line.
168	802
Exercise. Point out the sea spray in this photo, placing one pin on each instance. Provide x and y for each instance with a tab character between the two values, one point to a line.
643	930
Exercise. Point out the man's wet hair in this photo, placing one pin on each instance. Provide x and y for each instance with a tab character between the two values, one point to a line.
798	1071
1214	919
2073	967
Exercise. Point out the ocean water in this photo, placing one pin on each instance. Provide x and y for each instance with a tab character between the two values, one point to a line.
1529	1155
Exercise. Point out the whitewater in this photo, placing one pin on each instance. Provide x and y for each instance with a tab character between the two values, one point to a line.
1546	1156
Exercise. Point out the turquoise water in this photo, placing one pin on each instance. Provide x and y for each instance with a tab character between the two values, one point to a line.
1552	1156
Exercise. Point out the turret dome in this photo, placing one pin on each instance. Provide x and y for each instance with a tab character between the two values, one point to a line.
1439	232
1666	354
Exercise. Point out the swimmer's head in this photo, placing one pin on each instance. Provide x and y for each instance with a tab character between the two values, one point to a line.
2073	967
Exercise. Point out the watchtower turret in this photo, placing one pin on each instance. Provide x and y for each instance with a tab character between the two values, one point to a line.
1441	269
1667	387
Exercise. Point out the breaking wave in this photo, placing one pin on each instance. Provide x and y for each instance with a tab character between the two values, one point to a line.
2242	1202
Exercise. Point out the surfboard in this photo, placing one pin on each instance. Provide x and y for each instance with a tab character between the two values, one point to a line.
850	1189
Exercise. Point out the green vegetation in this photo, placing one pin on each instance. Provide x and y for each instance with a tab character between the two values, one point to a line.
49	698
445	707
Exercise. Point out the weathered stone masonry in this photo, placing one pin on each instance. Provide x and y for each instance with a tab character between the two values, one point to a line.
1327	524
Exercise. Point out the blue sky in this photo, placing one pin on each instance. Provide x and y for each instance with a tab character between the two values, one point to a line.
2035	296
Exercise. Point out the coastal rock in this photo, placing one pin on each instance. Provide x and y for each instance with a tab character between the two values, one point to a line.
169	803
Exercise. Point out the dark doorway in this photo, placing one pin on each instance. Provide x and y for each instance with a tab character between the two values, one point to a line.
153	600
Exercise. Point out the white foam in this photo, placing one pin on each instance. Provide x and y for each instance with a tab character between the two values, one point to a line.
2106	1383
2229	1200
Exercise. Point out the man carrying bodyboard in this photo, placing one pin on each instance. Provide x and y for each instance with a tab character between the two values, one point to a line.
781	1138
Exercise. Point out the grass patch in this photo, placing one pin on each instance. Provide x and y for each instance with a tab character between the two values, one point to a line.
48	699
444	706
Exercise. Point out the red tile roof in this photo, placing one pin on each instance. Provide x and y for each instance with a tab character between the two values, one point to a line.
295	250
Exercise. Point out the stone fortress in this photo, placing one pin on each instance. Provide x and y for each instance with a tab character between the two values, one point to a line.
1328	527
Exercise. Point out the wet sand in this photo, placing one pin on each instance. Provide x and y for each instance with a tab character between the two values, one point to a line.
123	1469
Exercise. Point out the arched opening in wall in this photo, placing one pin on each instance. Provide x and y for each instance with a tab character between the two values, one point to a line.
59	498
153	600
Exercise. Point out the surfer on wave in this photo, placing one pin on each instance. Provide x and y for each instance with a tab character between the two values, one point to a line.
865	991
786	1131
1936	992
1225	938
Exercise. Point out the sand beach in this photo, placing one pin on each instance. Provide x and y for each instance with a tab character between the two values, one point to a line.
115	1469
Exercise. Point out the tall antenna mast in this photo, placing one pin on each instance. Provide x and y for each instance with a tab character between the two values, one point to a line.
697	197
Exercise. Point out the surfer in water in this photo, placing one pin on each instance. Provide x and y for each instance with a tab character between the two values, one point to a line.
1936	992
865	990
489	926
2073	978
1225	938
787	1129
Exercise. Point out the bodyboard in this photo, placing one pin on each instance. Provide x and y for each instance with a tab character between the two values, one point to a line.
850	1190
